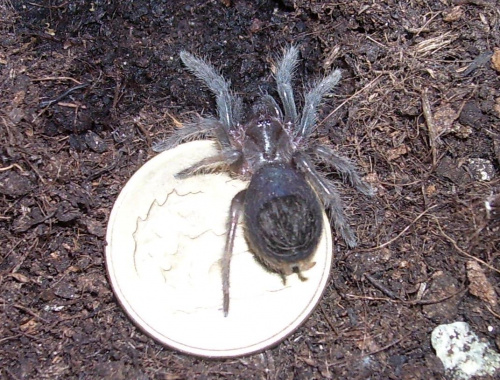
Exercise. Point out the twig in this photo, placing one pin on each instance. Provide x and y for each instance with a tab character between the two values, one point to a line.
356	94
177	123
42	180
328	320
381	287
454	243
48	103
25	309
35	223
11	374
56	78
117	94
431	126
28	311
72	105
106	169
12	166
409	303
369	298
10	337
423	28
144	131
390	294
393	343
401	233
434	301
434	44
49	6
24	256
492	312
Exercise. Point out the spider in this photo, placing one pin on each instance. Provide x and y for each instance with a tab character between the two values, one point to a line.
271	146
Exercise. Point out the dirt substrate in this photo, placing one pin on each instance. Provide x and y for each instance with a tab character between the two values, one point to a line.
86	88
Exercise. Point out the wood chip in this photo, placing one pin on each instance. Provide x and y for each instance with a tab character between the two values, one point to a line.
453	14
395	153
20	277
29	327
479	285
495	60
444	117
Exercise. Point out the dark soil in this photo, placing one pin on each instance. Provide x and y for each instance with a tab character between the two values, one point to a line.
418	108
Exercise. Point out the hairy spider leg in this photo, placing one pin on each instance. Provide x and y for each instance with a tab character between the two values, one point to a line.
203	127
228	105
224	158
312	101
284	74
328	195
235	211
345	167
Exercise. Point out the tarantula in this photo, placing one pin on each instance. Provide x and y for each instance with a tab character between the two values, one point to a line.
272	147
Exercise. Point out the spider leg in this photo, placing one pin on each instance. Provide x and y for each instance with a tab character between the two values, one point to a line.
195	130
284	74
312	101
345	167
267	105
228	105
225	157
328	195
235	212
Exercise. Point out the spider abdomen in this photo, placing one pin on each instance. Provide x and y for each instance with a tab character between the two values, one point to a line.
283	218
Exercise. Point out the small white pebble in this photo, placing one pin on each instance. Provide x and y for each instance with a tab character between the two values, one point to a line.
463	354
481	169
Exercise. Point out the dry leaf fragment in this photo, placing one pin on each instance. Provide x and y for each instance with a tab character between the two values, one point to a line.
20	277
495	60
29	327
444	117
453	14
395	153
479	285
496	107
430	190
